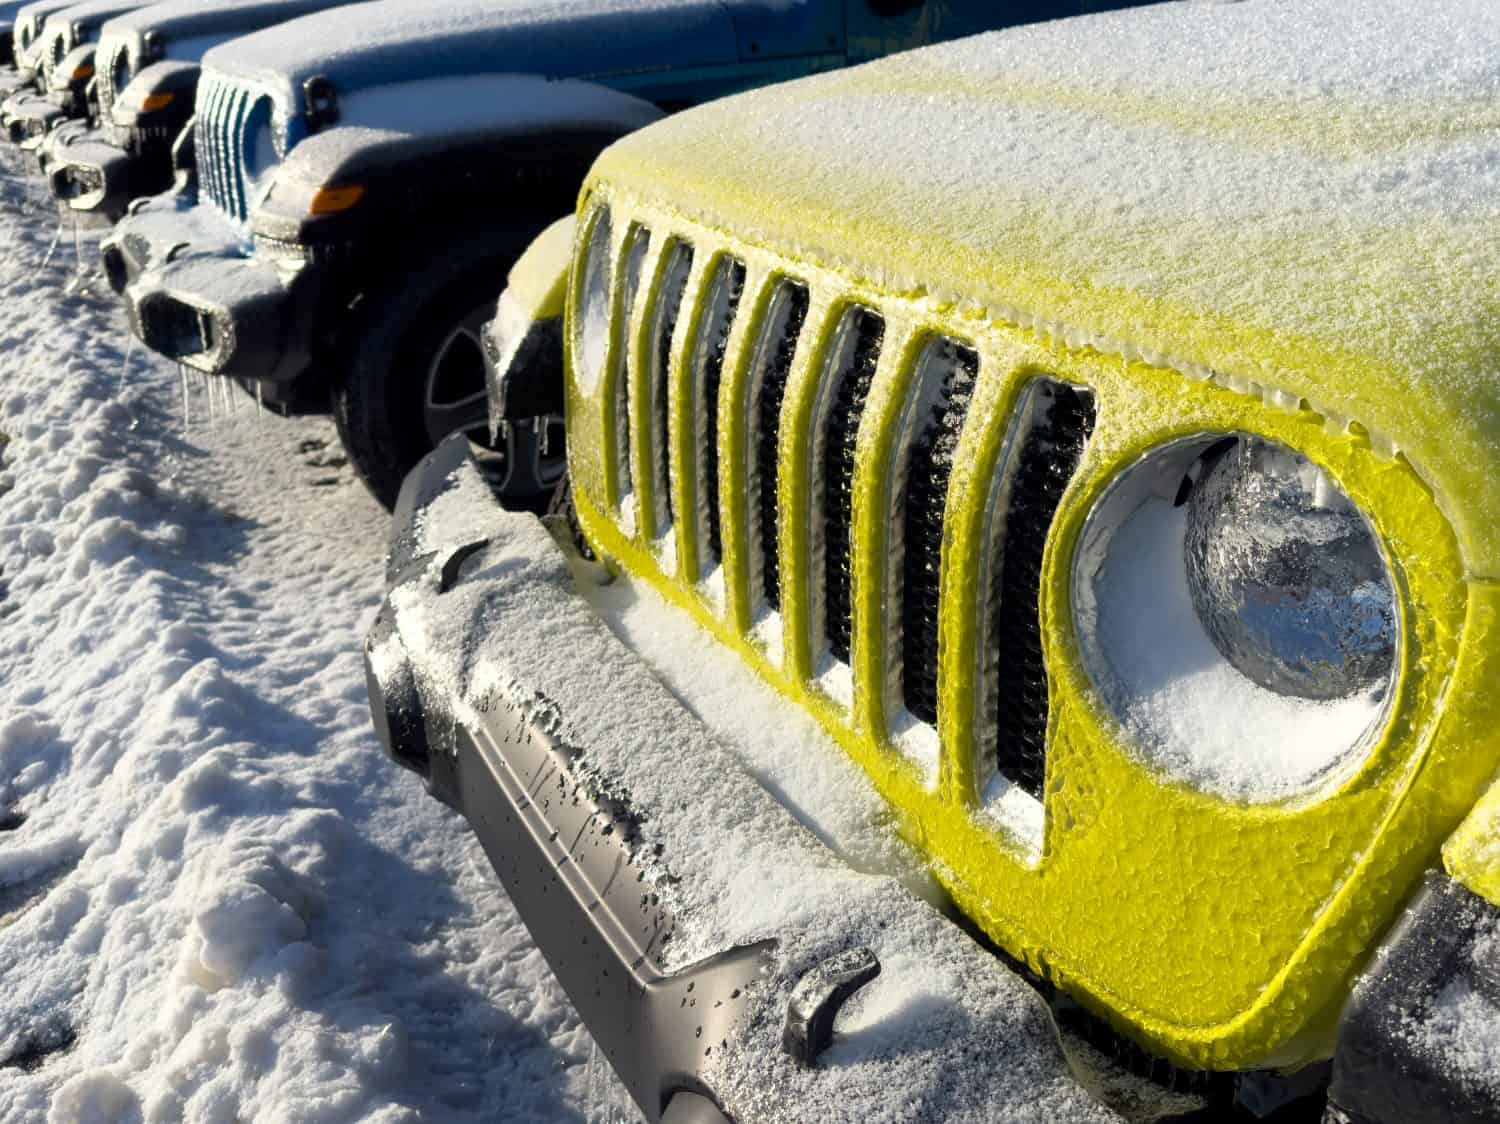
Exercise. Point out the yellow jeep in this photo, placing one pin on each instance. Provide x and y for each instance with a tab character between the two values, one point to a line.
1094	428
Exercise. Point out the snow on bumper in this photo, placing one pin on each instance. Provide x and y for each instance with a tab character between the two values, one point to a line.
91	175
704	935
27	117
193	294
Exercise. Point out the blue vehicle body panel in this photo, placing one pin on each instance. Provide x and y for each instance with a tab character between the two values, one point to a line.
778	30
396	42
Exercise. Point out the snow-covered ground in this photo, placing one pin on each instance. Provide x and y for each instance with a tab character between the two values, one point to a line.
218	900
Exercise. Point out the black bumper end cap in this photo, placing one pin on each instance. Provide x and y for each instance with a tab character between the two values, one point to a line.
1382	1072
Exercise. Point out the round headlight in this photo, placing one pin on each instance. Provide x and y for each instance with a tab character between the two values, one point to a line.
1238	617
594	305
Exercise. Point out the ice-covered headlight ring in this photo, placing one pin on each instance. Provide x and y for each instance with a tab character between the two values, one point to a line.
1238	617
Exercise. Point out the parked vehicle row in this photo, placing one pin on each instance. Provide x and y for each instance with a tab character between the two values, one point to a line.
1089	427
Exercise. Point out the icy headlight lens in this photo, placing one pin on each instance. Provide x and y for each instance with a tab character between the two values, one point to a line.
593	306
1237	616
1285	574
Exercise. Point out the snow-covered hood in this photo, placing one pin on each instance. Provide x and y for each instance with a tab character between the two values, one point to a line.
31	18
76	25
375	44
1300	199
188	28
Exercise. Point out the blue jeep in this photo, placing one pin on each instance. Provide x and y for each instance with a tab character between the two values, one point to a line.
145	68
64	70
368	175
27	24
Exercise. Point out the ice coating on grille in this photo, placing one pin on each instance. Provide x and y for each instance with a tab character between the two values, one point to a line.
663	331
708	373
1297	199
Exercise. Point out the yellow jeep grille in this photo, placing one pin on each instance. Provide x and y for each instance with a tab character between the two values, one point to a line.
876	498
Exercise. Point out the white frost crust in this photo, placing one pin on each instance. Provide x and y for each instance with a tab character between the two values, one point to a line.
1018	813
945	1033
835	679
918	740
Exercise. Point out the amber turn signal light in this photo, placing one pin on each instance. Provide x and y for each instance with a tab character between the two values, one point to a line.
331	200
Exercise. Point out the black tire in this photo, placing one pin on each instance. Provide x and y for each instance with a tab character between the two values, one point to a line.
381	402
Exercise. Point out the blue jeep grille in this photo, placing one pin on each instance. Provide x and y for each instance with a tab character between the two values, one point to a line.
224	111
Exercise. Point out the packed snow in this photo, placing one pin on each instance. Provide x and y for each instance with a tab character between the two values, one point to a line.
218	900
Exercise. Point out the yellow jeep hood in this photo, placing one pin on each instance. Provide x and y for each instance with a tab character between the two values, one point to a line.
1296	199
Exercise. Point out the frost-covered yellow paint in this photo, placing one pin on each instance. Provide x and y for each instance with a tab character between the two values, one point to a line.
1223	935
537	283
1472	853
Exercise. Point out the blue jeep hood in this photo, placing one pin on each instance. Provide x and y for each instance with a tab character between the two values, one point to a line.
367	45
182	19
38	11
93	13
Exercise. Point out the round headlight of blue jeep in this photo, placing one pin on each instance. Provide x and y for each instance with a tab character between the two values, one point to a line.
1238	617
593	305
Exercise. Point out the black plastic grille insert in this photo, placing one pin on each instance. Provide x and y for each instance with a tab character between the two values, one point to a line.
1062	422
713	337
778	347
856	355
954	368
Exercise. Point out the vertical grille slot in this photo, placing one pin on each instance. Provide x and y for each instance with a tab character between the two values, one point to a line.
663	329
114	67
220	144
637	242
1047	442
773	364
946	383
855	355
708	371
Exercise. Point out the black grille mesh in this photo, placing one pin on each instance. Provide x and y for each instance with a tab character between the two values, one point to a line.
779	348
929	468
668	303
854	369
729	284
1045	463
